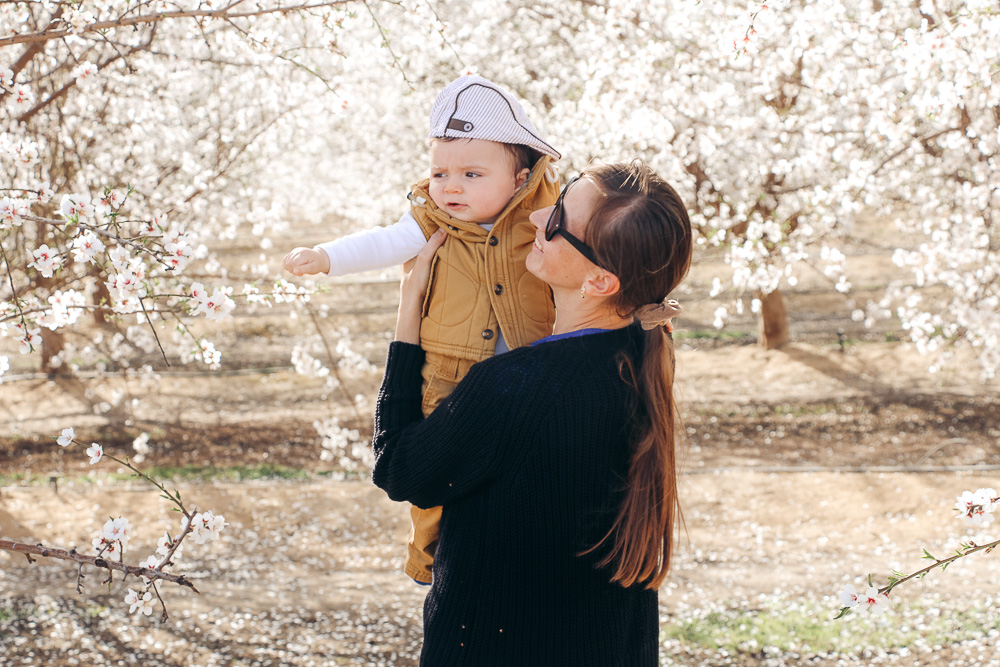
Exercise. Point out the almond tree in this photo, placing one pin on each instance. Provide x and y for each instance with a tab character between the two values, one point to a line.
780	121
132	133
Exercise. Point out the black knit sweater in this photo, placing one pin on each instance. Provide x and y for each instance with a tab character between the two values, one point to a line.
528	457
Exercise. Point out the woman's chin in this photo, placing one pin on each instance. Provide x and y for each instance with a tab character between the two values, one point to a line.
533	263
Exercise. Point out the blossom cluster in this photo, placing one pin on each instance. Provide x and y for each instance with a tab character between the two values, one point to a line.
112	250
977	507
215	306
343	445
308	365
868	600
113	539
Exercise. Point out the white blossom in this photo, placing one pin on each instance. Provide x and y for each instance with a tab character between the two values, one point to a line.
849	597
11	212
139	604
343	445
873	601
206	526
95	452
141	447
307	365
21	98
215	306
977	507
65	308
76	206
87	246
29	338
84	71
117	530
46	260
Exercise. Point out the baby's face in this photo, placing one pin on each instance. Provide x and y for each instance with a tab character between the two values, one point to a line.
472	179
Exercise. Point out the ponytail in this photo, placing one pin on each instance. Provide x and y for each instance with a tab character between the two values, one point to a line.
640	542
640	231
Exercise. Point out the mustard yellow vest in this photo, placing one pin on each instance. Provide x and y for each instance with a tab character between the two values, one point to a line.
478	284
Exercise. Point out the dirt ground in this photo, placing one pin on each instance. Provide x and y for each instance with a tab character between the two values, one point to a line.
805	469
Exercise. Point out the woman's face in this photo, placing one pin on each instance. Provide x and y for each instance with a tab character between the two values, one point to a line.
557	262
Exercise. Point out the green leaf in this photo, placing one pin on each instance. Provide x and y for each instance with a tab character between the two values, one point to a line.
843	612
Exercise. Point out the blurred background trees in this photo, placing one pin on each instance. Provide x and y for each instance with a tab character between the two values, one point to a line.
779	122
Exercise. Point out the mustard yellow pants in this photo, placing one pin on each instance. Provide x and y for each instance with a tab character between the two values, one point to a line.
441	376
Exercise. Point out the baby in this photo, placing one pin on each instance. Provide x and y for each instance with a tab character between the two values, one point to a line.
489	170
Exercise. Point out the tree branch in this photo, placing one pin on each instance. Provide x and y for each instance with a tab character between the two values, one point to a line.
942	563
27	115
105	563
123	21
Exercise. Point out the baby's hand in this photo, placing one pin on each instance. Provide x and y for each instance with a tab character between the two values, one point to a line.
306	261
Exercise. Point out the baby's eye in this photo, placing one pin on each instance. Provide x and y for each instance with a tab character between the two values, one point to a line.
471	174
437	174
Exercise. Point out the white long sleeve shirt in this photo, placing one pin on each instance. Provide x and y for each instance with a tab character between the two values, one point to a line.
376	248
381	248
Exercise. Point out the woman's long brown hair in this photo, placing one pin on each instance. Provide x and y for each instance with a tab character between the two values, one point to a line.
640	231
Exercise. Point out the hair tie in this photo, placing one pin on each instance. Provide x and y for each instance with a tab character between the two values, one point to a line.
658	314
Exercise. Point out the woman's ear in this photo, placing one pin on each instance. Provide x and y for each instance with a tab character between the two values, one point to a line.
602	283
521	177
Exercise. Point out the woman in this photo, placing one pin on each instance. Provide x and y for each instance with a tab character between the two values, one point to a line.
555	462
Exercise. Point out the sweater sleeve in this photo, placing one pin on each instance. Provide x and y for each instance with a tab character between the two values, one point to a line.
434	460
377	248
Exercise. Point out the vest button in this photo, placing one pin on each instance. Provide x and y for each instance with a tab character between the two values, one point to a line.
494	240
498	289
487	333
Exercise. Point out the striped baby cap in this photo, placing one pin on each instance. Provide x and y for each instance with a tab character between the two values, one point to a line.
472	107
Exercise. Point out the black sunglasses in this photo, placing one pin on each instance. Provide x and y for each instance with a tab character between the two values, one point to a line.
555	226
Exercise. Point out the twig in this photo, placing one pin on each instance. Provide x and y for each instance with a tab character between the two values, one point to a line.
333	362
63	554
943	563
13	290
441	32
98	26
925	139
941	445
101	232
388	45
175	497
152	328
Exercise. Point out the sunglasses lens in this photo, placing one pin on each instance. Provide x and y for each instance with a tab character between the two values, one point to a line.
553	223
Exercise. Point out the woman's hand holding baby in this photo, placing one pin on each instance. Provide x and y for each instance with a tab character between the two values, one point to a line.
413	289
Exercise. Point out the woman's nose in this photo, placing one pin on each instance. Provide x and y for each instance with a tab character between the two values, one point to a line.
540	217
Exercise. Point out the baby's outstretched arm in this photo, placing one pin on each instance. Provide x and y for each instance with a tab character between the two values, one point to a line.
368	250
307	261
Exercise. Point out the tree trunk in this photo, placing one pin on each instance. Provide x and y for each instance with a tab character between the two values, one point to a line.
773	320
52	344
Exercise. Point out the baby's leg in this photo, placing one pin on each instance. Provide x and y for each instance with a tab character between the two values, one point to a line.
441	376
